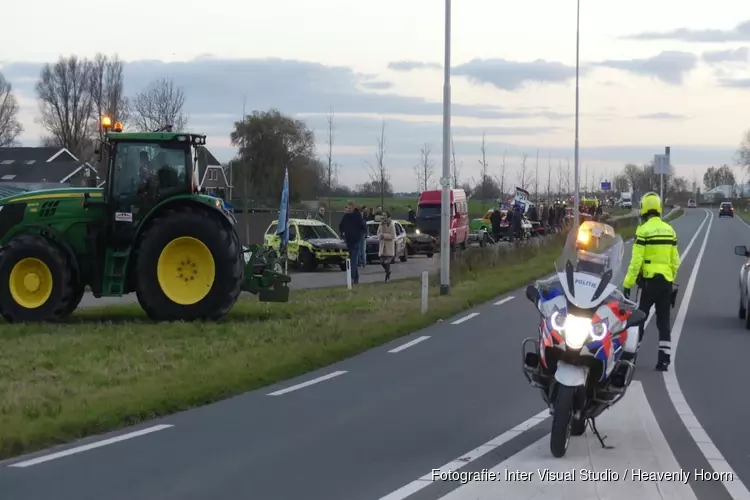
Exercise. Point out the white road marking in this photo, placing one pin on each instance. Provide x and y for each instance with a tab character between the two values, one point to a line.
735	487
465	318
503	301
426	480
639	445
90	446
682	257
307	384
410	344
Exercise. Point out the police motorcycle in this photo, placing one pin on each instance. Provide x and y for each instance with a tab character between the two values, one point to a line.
586	325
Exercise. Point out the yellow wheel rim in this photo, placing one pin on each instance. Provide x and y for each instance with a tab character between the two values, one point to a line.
30	283
186	270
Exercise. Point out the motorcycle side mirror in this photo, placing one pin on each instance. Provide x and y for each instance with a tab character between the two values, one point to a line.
532	294
637	318
741	250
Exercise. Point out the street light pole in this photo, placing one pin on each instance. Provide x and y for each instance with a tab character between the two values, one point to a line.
577	198
445	215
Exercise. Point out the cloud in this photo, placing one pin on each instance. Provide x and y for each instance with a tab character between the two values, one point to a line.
377	85
667	66
214	85
413	65
663	116
512	75
741	54
740	33
735	83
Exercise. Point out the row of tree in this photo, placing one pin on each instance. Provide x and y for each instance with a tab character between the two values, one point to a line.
74	93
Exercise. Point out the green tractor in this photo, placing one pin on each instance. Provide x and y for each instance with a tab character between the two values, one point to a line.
147	231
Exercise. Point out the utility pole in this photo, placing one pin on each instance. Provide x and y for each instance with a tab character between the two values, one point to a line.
445	215
577	198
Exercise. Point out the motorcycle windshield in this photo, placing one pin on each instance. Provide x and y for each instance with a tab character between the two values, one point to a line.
591	265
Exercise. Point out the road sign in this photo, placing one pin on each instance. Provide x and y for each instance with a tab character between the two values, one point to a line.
661	164
606	186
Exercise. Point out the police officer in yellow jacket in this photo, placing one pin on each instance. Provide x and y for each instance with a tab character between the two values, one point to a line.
656	260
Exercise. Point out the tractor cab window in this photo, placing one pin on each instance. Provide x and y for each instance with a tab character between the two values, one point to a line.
144	169
272	229
292	232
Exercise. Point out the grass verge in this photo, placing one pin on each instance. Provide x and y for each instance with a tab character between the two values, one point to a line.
109	367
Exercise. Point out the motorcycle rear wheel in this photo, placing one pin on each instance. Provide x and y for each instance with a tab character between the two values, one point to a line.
562	420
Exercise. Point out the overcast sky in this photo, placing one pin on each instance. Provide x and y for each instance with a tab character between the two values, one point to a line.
653	74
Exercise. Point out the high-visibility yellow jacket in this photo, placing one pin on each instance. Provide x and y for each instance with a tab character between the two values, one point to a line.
654	252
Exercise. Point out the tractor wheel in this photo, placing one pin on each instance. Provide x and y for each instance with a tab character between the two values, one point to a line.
189	267
75	301
39	280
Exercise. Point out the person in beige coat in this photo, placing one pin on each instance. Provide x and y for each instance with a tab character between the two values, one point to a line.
387	237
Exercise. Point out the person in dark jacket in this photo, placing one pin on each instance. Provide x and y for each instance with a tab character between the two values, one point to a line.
412	217
517	219
352	228
496	219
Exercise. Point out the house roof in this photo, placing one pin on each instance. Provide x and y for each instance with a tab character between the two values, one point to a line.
35	155
37	172
207	161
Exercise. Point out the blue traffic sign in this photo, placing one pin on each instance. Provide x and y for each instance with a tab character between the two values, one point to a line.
606	186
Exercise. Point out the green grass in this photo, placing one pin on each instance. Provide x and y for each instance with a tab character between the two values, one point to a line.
398	205
109	367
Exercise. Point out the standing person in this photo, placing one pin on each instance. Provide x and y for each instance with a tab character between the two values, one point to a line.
363	240
655	257
352	227
412	217
387	237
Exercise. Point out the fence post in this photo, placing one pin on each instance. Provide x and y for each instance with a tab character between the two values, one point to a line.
425	290
349	274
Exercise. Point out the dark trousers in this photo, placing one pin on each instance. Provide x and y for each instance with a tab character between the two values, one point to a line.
353	249
657	292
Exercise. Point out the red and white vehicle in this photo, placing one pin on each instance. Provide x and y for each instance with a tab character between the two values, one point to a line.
429	214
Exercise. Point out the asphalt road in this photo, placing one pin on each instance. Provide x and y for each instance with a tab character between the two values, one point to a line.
379	421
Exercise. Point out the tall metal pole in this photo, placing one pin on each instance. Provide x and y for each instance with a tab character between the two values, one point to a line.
445	216
577	198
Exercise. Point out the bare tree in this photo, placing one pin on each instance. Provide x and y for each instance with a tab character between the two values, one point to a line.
160	105
536	176
10	127
379	175
64	95
455	168
501	177
524	179
743	153
330	170
424	169
107	91
567	179
484	171
559	177
549	176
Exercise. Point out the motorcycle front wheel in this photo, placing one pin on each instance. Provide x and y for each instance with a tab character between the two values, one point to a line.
562	420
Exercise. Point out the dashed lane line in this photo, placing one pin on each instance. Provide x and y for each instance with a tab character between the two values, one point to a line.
308	383
465	318
90	446
409	344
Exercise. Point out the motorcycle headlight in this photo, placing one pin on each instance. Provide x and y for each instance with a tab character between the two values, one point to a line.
577	331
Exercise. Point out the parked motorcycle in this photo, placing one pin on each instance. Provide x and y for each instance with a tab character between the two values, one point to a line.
586	325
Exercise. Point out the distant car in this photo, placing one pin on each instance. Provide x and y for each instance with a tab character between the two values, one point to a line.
691	204
742	251
311	243
726	209
372	244
416	242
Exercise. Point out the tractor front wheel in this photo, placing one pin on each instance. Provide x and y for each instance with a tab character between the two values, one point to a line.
188	267
37	281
